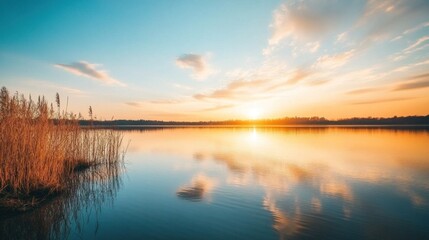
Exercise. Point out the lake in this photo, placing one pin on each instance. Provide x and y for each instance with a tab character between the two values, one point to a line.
250	183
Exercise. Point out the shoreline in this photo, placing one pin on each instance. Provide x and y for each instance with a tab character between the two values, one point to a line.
362	126
14	204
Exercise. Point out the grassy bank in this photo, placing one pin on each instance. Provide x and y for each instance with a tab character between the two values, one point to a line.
42	147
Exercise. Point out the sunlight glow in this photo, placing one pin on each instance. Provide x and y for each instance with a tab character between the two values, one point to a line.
253	113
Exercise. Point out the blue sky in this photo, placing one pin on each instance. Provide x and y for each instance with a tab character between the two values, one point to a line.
201	60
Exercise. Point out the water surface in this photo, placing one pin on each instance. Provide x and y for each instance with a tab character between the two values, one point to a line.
254	183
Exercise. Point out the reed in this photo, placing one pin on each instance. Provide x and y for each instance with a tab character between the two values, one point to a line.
41	148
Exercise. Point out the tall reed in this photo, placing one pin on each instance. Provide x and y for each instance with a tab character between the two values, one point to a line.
41	148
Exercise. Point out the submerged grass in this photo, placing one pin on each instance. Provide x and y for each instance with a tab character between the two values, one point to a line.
41	149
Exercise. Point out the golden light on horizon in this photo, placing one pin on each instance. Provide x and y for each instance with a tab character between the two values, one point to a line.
253	113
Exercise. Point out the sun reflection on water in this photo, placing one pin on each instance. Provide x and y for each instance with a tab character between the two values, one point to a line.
306	167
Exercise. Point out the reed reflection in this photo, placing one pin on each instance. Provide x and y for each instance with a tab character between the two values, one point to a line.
85	193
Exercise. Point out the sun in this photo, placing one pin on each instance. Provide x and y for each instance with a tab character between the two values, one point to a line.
253	113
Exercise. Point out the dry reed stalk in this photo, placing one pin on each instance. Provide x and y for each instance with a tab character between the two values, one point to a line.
40	148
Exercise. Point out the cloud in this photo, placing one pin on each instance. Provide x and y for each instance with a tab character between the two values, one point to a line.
318	82
401	8
411	30
363	90
341	37
313	47
90	70
197	63
219	107
165	101
74	91
375	101
419	41
306	19
383	18
268	81
414	47
407	67
180	86
414	82
133	104
297	76
55	87
415	29
236	89
336	60
160	101
293	79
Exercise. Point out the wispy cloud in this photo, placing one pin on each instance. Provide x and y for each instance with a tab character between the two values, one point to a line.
415	82
412	85
318	82
165	101
56	87
417	28
257	85
218	107
418	45
306	19
335	60
384	18
341	37
180	86
419	41
236	90
382	100
89	70
411	30
313	46
133	104
272	79
156	102
363	91
407	67
197	63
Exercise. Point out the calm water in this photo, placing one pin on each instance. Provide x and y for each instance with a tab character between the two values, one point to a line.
251	183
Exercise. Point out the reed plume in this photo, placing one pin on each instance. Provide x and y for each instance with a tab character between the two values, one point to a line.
41	148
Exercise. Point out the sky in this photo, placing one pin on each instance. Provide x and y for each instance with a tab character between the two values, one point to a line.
197	60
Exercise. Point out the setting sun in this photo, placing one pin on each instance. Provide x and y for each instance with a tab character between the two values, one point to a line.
253	114
245	119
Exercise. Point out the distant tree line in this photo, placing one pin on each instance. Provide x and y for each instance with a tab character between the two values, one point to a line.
405	120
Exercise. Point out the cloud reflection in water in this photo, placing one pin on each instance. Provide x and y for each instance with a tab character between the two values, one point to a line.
200	187
309	176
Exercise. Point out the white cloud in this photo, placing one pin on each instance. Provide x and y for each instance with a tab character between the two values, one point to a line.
90	70
306	19
341	37
396	38
180	86
415	29
335	61
389	17
313	47
265	82
56	87
197	63
416	44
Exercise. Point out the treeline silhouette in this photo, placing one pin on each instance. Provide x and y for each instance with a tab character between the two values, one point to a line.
404	120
